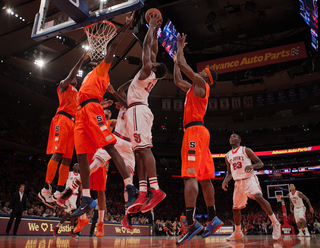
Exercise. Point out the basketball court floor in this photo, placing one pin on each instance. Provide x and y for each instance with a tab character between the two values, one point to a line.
143	242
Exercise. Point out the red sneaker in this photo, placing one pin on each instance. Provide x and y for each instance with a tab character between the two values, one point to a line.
155	196
73	235
138	204
126	222
100	229
80	225
55	230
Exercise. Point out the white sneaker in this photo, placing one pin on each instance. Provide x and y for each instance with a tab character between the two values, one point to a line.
307	234
234	236
300	234
45	196
276	234
56	195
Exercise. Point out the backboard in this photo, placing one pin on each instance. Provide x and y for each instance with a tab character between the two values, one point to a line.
50	21
278	189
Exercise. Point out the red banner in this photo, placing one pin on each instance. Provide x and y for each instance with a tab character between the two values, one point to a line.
255	59
276	152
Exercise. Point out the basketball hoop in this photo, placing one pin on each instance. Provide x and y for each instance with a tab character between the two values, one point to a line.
99	34
279	198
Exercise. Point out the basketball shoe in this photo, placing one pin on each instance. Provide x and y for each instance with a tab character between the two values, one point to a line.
45	195
80	225
65	195
276	234
133	194
155	196
56	195
139	203
55	230
212	226
234	236
72	234
192	231
86	205
126	222
100	229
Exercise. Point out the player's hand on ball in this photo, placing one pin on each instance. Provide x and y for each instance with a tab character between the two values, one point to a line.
248	169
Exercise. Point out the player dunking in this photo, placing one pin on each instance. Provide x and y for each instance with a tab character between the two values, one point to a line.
61	136
299	210
91	130
197	164
139	118
241	169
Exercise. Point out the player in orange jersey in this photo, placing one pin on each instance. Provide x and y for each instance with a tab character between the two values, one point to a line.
197	163
91	129
61	136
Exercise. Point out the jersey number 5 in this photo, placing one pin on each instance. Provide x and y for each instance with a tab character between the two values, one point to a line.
237	165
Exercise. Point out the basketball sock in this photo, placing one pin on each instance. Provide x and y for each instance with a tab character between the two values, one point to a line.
86	192
143	186
211	213
273	218
83	217
75	185
153	181
100	215
51	170
95	165
60	188
63	175
127	181
46	185
190	215
238	228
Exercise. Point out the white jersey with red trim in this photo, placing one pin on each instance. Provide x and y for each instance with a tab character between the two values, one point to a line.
71	178
120	127
296	200
238	160
139	90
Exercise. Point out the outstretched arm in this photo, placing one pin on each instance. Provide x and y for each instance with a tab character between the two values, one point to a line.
122	100
178	80
147	45
154	46
200	84
301	195
73	73
116	41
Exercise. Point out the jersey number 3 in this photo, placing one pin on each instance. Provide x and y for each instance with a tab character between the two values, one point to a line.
237	165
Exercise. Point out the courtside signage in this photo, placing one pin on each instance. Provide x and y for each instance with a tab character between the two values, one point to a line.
276	152
255	59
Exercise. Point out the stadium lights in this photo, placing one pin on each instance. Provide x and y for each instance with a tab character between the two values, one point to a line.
85	48
10	12
40	63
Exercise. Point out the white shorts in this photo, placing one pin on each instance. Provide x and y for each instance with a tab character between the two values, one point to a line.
139	120
243	189
71	204
299	213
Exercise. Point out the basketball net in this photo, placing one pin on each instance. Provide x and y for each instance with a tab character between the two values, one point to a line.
279	198
99	34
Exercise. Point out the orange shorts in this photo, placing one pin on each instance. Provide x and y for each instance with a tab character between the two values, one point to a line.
195	154
98	179
91	130
61	136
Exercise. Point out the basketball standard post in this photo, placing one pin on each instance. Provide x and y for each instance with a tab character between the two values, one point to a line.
286	229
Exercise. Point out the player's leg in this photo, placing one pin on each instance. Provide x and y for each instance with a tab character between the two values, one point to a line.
302	214
101	212
126	222
94	222
63	177
56	227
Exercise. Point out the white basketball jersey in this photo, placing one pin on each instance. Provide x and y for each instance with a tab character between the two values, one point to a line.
238	160
71	178
120	127
139	90
296	200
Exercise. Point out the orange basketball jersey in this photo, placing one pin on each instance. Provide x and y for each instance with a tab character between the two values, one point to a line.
68	100
195	107
94	85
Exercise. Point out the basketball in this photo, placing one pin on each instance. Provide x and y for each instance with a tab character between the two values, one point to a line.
150	12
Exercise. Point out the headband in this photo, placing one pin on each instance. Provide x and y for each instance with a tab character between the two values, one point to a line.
210	76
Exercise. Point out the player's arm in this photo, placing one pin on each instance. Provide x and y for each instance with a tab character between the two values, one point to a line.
258	164
147	45
105	103
122	100
113	123
228	176
121	90
291	206
200	84
178	80
64	84
116	41
154	46
301	195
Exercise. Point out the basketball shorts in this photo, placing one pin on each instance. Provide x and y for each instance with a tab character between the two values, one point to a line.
91	130
139	120
61	136
195	154
243	189
299	213
71	203
98	179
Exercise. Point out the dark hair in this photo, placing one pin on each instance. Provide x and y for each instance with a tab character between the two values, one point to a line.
214	75
161	70
239	137
22	185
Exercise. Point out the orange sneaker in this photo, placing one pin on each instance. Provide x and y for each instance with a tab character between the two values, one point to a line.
80	225
100	229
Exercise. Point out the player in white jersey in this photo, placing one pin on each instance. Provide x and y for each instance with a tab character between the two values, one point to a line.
139	118
70	204
296	200
241	169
